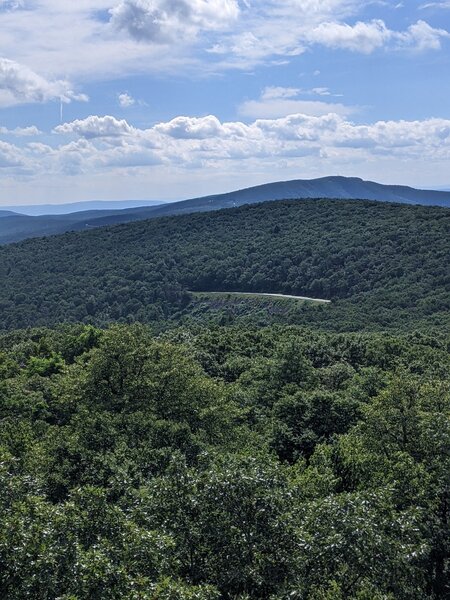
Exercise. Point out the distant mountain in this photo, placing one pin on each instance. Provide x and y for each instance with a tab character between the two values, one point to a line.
7	213
18	227
341	188
65	209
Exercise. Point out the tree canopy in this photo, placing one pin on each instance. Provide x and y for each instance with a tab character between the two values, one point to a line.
223	463
384	266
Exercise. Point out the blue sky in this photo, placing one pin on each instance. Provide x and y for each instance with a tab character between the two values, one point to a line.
168	99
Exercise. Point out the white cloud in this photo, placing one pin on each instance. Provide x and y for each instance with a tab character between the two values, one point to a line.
279	102
96	127
192	128
444	5
421	37
366	37
322	91
189	149
125	100
21	85
21	131
277	92
194	142
290	27
361	37
10	156
202	36
168	21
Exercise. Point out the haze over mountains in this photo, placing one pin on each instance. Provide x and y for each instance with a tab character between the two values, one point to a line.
35	210
15	227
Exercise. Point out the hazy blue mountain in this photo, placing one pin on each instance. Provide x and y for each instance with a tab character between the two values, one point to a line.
340	188
18	227
7	213
350	188
65	209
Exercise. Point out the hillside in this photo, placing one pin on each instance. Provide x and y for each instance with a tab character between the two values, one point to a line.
382	265
15	229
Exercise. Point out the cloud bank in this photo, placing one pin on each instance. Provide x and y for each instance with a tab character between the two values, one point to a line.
97	143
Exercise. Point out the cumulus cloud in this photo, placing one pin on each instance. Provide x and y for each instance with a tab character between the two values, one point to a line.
361	37
192	128
107	147
21	131
166	21
190	141
125	100
421	36
21	85
10	156
96	127
367	37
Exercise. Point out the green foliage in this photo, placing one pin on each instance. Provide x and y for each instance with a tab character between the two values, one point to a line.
384	266
223	463
45	366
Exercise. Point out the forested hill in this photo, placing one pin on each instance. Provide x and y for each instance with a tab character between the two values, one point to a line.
382	265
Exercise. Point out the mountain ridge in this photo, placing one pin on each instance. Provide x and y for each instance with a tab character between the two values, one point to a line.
7	213
38	210
17	227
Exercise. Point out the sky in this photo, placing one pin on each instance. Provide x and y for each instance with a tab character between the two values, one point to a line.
171	99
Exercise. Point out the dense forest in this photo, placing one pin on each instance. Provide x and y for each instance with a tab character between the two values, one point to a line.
384	266
223	463
158	443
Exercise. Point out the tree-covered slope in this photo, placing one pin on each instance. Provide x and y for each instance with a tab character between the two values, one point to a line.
224	464
382	265
55	219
